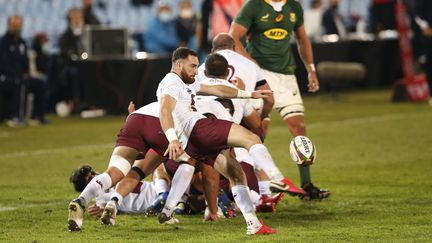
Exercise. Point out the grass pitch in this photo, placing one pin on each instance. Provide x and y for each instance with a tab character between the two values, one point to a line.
375	157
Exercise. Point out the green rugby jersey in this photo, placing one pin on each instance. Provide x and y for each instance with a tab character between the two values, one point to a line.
270	33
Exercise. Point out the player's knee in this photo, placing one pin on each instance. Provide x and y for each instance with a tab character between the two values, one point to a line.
119	163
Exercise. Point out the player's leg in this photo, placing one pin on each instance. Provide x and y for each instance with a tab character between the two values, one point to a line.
231	169
289	104
140	169
179	184
120	163
241	137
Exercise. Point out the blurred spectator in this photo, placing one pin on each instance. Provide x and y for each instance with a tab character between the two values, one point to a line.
332	20
216	17
185	24
89	17
161	35
71	48
37	84
14	68
313	19
423	17
382	16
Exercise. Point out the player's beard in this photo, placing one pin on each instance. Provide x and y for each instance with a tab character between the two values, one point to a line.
187	78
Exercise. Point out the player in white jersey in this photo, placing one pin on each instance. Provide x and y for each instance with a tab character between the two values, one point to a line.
208	137
250	74
241	67
135	202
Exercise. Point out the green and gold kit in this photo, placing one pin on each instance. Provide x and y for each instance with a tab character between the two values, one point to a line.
270	32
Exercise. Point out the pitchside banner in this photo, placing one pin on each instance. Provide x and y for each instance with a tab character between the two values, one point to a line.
416	86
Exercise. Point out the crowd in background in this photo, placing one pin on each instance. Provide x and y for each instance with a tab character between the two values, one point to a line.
40	66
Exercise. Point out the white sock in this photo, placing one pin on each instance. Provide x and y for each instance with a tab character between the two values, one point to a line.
95	188
264	187
255	197
118	196
180	182
161	186
243	201
263	159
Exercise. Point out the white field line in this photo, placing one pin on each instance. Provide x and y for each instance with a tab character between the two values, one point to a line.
56	151
31	205
352	121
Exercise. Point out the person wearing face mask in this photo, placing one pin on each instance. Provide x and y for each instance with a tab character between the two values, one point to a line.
161	35
185	24
333	22
71	48
14	67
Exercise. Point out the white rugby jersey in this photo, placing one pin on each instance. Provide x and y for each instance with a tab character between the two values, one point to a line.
242	107
151	109
134	202
239	66
184	113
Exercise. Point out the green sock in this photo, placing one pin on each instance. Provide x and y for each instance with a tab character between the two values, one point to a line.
304	175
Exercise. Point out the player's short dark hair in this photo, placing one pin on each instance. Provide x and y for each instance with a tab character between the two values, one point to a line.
182	53
79	177
216	65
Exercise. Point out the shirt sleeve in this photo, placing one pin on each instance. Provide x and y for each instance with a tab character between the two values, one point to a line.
248	108
246	15
170	87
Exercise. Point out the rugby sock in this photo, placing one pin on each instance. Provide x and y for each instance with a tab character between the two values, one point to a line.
304	175
180	183
263	160
255	197
252	180
244	202
161	186
117	197
264	187
95	188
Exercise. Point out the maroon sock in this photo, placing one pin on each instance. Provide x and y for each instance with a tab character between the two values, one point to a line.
252	180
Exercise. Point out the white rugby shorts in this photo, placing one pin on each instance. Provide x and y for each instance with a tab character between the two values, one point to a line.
288	100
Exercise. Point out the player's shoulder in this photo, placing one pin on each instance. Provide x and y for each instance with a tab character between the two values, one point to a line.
234	58
296	5
171	79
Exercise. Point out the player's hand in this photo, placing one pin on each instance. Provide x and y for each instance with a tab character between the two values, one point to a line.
174	150
262	93
95	211
131	107
313	82
213	217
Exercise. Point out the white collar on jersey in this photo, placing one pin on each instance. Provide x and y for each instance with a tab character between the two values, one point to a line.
277	6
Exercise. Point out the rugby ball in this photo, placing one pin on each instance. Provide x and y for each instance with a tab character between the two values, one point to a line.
302	150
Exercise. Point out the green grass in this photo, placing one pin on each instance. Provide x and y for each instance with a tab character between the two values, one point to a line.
374	155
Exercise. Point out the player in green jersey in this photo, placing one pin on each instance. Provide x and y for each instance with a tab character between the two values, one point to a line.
269	25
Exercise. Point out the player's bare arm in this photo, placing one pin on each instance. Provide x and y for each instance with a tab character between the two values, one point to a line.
268	102
174	149
224	91
306	54
237	32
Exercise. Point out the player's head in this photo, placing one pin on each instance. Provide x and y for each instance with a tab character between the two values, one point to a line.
81	177
222	41
216	66
185	64
15	24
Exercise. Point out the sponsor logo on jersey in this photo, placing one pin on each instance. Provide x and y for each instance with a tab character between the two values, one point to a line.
292	17
276	34
265	18
279	18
